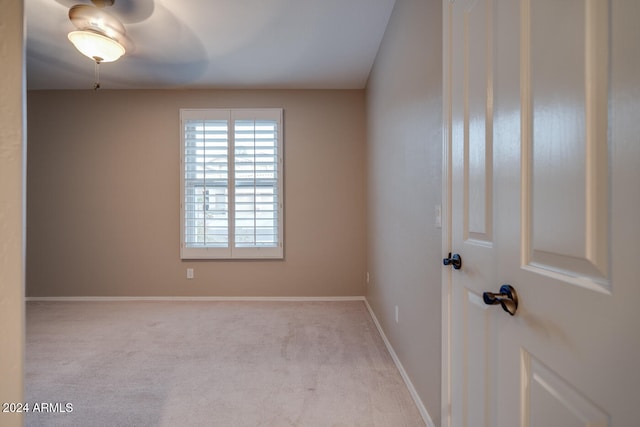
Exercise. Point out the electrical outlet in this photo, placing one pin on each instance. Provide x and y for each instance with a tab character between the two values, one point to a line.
397	313
438	215
189	273
367	277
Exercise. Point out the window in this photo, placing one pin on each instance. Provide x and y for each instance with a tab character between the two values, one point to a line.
231	184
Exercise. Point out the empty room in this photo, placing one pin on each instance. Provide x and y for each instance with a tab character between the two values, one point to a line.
319	213
199	225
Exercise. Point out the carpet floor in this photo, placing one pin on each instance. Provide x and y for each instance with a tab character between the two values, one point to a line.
156	363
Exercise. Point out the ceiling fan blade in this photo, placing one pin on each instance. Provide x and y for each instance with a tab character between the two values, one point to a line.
133	11
102	3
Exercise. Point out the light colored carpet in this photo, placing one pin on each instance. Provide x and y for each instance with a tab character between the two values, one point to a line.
212	364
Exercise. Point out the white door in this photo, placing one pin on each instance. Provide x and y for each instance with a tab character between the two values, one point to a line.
545	196
473	327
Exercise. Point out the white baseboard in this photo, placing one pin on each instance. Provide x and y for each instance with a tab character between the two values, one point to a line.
196	298
414	394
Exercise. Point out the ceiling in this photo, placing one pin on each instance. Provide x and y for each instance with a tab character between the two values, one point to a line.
246	44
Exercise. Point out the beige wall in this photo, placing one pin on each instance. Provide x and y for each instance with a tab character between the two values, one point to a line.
103	199
11	208
404	158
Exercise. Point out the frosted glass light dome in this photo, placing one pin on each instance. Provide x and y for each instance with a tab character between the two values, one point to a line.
96	46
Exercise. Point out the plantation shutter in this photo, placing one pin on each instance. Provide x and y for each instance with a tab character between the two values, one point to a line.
257	220
231	184
206	183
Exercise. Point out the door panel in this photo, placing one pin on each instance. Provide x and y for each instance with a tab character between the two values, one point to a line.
545	169
473	324
564	139
477	360
549	401
477	110
578	320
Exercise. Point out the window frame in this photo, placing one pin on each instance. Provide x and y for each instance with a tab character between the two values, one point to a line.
232	250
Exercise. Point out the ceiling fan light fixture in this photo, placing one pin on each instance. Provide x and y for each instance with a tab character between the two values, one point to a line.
96	46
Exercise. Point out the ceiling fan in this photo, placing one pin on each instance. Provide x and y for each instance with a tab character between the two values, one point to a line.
117	24
100	35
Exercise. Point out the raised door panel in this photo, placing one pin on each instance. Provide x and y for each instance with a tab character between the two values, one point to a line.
475	346
550	401
565	173
478	338
478	128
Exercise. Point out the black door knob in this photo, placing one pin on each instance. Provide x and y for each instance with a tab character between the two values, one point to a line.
454	260
507	298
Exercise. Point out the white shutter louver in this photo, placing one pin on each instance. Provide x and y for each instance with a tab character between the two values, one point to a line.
206	169
256	183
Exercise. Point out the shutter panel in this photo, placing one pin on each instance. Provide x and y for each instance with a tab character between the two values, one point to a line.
256	222
206	182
